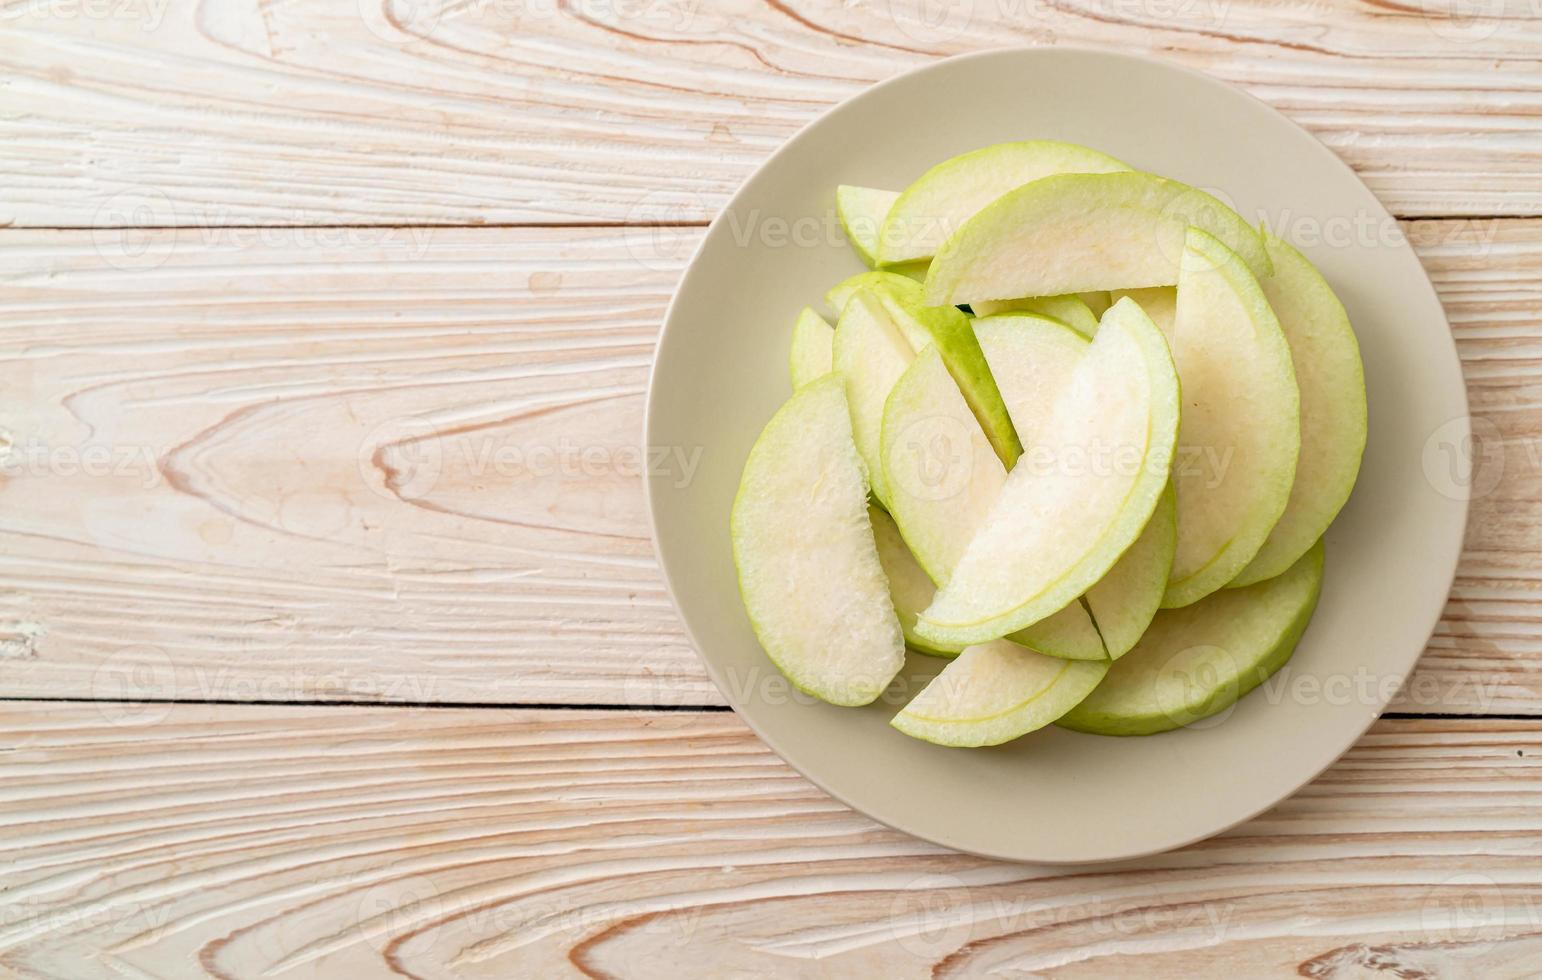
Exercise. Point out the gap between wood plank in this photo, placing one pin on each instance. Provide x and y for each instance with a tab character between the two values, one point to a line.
576	225
466	705
640	708
447	226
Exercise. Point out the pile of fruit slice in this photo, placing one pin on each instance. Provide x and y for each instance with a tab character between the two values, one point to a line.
1081	429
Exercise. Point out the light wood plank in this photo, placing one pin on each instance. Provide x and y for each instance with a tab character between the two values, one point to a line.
247	842
1488	647
383	111
241	390
194	426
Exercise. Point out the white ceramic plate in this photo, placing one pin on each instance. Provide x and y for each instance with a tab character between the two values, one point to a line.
1056	796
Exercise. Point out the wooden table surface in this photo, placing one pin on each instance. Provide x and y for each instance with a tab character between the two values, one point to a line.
331	639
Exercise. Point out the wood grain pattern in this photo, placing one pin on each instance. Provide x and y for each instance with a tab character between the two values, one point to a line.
137	112
395	469
403	465
245	842
1490	632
